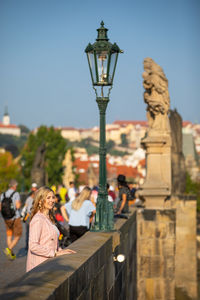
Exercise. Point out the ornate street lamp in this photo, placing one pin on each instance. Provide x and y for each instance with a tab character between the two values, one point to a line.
102	58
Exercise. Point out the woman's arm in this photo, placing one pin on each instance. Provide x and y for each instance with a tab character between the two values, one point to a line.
35	245
124	198
64	213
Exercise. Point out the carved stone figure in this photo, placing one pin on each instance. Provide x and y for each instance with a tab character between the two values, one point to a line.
178	160
38	171
68	169
157	141
156	96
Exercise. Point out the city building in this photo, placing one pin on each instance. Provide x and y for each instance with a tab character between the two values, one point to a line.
7	128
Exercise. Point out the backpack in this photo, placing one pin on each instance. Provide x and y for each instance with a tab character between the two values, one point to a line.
129	195
7	207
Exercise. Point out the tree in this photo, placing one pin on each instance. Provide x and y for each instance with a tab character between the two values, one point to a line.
8	169
110	145
12	143
56	148
24	130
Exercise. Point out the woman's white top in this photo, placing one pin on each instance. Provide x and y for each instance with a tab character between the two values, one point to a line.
80	217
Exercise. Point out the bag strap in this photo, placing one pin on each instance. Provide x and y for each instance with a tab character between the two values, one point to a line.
12	194
4	195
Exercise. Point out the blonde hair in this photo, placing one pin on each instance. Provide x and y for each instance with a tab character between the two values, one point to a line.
38	203
84	195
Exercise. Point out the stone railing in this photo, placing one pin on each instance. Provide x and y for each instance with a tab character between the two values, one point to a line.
160	261
91	273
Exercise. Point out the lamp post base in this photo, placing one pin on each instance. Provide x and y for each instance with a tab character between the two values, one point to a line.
104	218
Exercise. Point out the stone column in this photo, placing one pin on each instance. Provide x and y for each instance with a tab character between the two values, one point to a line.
157	185
156	254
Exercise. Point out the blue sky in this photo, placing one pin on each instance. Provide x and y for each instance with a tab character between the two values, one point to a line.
44	74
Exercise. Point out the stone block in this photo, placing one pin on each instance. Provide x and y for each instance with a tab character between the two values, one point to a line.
85	295
141	289
169	289
168	247
161	230
157	247
146	230
166	215
149	214
156	266
144	263
146	247
97	286
111	294
109	273
159	289
149	289
169	267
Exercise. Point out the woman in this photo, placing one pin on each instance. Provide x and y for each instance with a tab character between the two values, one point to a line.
124	194
43	234
79	212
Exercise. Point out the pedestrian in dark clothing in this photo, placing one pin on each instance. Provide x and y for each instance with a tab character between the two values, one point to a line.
124	194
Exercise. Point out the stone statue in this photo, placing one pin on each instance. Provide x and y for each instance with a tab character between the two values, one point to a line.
156	96
38	171
68	169
178	160
156	188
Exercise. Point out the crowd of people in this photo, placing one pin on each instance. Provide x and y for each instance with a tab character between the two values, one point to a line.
55	217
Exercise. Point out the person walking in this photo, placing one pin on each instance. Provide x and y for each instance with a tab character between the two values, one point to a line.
43	233
62	191
9	206
79	212
72	191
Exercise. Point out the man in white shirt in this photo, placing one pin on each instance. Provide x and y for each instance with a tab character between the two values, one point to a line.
71	191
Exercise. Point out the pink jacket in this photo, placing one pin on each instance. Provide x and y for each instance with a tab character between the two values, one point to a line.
43	241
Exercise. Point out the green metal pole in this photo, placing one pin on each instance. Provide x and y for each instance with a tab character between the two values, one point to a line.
104	218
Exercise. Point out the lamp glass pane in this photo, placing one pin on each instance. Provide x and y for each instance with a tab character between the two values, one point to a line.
112	67
92	65
102	62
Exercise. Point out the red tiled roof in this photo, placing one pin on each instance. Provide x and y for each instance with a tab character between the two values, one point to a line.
142	123
185	123
112	129
8	126
68	128
112	170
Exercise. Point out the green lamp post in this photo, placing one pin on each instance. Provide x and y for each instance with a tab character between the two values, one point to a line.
102	59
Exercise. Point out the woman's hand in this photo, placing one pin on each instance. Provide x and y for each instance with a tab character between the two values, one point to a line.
65	251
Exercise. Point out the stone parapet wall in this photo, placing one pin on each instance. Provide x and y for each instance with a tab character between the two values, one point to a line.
160	261
186	245
91	273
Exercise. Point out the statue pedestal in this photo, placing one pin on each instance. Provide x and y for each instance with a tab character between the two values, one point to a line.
157	185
